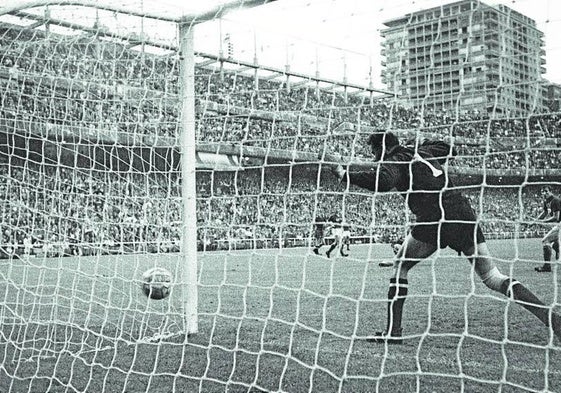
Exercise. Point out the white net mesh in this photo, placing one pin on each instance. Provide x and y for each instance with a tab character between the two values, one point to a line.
91	199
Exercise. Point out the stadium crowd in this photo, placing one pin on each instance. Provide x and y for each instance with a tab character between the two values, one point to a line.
59	210
88	84
108	86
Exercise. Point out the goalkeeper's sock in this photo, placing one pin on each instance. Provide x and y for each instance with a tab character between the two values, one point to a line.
530	302
547	253
396	297
397	293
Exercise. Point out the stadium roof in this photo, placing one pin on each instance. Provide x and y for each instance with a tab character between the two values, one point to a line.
152	26
151	23
167	10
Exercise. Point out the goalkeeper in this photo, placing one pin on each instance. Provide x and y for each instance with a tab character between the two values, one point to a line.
444	218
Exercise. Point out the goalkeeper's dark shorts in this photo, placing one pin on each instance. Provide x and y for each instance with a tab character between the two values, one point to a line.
459	230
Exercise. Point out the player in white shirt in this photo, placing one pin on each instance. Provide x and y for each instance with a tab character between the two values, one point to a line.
337	232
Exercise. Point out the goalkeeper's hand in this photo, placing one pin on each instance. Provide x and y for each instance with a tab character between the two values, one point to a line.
338	171
334	160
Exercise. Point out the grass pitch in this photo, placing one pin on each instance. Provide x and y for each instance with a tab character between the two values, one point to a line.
273	320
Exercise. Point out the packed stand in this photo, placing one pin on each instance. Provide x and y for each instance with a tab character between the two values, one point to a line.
106	88
56	211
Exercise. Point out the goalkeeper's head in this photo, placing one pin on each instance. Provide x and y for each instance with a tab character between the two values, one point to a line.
380	142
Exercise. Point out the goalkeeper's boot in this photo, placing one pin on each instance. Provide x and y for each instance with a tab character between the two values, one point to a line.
328	254
316	251
384	337
546	268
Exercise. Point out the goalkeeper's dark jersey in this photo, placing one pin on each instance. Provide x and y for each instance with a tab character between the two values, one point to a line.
418	175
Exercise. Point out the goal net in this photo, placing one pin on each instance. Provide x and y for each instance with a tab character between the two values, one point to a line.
131	139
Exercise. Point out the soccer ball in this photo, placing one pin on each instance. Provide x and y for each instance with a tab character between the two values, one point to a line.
156	283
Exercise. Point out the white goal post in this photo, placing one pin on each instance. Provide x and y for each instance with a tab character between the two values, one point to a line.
188	154
189	192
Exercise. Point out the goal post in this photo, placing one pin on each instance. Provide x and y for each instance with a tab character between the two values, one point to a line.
188	165
188	148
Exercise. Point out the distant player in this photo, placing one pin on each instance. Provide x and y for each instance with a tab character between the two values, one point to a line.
551	213
337	232
444	218
319	233
397	245
346	237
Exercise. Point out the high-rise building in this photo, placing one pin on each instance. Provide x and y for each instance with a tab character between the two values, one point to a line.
465	55
552	99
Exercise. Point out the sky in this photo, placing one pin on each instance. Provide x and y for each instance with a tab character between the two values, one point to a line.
342	37
334	39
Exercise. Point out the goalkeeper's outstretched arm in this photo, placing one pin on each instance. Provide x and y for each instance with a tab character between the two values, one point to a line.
381	179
